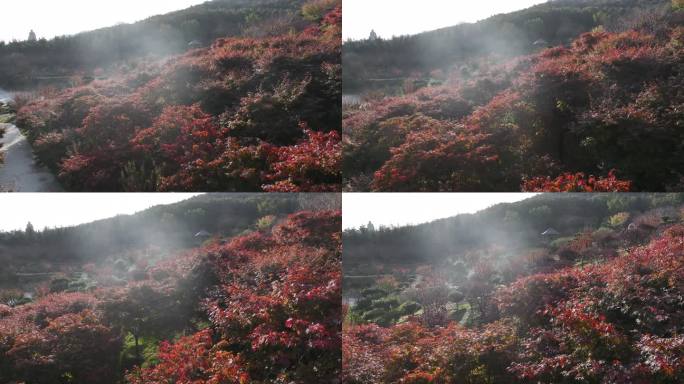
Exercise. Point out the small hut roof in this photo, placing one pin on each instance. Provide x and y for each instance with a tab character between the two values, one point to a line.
202	233
550	232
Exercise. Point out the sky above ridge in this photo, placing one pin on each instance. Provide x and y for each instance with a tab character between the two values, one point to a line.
50	18
407	17
68	209
400	209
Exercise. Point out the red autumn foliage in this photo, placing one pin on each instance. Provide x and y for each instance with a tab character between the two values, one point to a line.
262	307
577	183
190	360
607	102
421	162
312	165
275	312
410	352
598	321
616	321
225	118
57	334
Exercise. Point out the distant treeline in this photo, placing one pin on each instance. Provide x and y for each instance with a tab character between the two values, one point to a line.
550	24
165	227
509	225
25	63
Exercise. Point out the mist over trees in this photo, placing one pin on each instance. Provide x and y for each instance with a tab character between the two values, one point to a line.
29	63
597	113
152	233
553	23
508	224
242	114
558	288
254	296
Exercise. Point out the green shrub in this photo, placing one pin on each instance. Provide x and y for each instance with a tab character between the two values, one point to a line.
314	10
373	292
562	241
373	314
456	296
364	303
408	308
618	219
386	303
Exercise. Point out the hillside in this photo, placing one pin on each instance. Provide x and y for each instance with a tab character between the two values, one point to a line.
255	302
607	105
153	233
596	298
511	225
26	64
436	53
244	114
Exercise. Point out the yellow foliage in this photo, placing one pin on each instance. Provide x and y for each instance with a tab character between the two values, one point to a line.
314	10
618	219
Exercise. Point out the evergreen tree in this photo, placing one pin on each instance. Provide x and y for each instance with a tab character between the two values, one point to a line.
30	231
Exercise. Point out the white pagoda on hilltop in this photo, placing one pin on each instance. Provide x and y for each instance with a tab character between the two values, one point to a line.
32	36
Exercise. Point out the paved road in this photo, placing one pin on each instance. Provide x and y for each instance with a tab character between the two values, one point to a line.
20	172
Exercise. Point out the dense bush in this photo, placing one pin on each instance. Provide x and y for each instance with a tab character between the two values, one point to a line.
275	314
245	114
617	320
60	337
264	306
577	183
412	353
608	101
